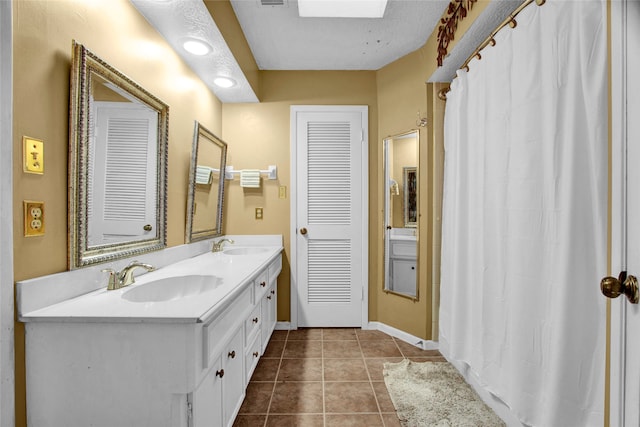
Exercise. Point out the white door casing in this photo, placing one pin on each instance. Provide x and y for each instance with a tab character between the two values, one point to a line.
7	371
625	246
329	199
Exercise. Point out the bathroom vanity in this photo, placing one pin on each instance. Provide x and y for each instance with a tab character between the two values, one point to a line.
403	261
177	348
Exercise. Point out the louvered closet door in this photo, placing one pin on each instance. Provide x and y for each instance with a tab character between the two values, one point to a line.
124	173
329	257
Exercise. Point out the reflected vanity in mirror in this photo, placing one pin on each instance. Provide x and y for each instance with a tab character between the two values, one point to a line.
401	214
117	164
206	185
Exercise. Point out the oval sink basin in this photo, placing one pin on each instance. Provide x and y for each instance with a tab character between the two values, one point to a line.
244	251
172	288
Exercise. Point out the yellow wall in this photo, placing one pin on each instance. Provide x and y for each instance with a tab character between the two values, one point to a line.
116	32
259	135
401	95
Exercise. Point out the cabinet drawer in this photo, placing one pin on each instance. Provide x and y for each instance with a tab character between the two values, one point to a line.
403	249
252	323
261	282
252	356
216	331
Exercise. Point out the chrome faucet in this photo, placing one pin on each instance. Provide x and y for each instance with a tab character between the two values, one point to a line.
125	276
218	245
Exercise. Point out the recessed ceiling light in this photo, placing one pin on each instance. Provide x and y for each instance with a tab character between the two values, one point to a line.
341	8
224	82
196	47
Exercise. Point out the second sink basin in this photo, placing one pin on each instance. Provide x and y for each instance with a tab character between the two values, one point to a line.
245	251
171	288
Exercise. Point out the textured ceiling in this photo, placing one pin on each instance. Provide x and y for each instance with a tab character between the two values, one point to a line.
177	19
281	40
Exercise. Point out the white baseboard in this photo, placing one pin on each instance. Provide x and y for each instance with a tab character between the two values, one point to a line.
408	338
283	326
389	330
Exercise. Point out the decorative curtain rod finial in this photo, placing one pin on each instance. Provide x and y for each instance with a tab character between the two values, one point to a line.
442	93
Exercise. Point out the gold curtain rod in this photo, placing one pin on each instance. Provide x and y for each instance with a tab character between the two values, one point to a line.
510	21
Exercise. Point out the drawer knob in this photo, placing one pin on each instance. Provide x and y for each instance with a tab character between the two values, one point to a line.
255	320
268	296
256	354
273	292
232	354
263	284
220	373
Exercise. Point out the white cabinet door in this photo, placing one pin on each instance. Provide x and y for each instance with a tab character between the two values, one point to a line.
216	401
233	384
206	401
269	304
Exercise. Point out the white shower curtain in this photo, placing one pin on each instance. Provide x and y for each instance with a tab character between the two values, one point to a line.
525	216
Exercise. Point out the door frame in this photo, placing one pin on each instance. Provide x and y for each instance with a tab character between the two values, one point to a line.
617	172
7	343
364	192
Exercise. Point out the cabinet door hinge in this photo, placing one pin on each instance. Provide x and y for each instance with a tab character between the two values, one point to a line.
189	411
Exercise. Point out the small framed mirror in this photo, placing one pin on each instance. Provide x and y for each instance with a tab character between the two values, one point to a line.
400	156
206	185
117	164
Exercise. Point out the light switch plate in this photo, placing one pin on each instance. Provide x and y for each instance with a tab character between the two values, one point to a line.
283	192
33	153
33	218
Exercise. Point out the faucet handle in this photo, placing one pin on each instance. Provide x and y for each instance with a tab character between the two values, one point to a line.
112	278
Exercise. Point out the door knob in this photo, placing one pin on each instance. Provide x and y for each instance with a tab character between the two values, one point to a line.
147	227
628	285
303	231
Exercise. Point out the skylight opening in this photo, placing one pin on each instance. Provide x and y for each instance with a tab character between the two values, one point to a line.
341	8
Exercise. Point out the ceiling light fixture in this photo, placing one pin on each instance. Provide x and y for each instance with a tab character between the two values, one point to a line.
196	46
224	82
342	8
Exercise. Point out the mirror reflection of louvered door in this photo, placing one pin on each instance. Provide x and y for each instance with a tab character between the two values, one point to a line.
331	256
123	164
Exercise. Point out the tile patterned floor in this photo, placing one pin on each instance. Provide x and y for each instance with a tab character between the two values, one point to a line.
325	378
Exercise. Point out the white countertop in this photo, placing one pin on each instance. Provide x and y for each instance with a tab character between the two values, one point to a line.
109	306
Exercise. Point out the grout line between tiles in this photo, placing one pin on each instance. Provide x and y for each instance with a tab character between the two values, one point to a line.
275	379
324	399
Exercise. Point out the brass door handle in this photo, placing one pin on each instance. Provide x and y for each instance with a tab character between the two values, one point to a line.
628	285
303	231
147	227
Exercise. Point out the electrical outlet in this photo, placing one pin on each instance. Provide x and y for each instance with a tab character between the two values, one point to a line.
258	213
33	218
283	192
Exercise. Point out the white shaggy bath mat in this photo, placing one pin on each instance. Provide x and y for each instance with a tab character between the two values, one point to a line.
435	394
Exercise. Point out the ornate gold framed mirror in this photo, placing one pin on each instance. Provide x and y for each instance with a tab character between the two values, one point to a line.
117	164
206	185
400	157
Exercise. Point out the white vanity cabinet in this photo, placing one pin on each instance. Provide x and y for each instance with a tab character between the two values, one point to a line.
180	370
402	264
